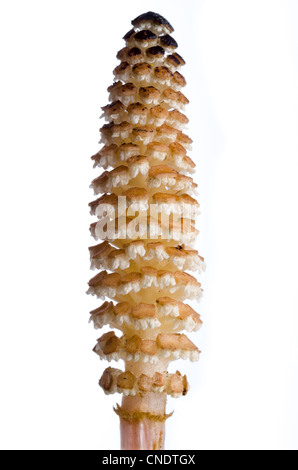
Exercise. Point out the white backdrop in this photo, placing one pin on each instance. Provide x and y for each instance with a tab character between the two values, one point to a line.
57	59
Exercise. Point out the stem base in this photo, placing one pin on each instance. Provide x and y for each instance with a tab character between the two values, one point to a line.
142	422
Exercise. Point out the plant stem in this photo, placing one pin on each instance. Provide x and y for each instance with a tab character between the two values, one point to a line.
142	422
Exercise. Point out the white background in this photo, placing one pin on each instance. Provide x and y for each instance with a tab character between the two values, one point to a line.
56	62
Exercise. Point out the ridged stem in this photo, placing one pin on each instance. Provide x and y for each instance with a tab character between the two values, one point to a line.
142	422
142	435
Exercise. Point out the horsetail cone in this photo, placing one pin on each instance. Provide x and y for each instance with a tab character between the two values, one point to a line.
146	224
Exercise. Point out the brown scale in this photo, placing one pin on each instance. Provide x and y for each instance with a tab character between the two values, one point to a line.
143	265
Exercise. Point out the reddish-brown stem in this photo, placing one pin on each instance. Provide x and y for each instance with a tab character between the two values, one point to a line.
142	422
143	434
